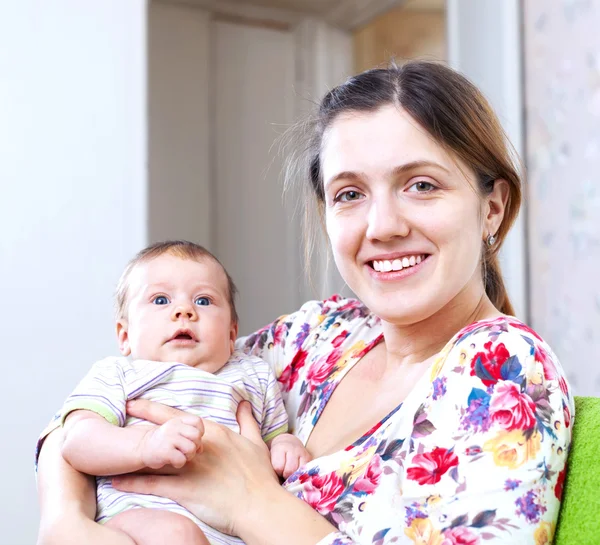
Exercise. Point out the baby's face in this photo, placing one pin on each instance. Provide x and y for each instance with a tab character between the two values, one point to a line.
178	311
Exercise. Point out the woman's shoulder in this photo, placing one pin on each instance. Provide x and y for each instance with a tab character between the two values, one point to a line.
507	331
506	349
315	314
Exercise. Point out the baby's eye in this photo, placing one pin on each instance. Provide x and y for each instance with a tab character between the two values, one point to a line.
202	301
160	300
422	187
348	196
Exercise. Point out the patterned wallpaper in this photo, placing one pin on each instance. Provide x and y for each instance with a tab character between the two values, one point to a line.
562	97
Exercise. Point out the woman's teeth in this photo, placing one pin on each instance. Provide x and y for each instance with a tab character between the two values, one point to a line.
397	264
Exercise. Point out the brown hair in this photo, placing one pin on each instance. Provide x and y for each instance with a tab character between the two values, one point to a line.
453	111
182	249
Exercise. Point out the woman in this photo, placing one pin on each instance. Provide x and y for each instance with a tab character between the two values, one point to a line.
432	415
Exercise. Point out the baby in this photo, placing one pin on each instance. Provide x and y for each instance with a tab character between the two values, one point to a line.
177	320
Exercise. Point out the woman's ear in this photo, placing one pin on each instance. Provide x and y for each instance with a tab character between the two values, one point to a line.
233	333
123	337
495	207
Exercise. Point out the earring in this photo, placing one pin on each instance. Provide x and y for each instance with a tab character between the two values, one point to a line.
491	239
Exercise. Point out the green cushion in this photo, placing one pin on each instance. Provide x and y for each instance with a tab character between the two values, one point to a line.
579	519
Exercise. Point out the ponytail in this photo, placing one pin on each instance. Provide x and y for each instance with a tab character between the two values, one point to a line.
494	284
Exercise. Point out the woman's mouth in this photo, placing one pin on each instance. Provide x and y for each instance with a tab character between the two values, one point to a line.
398	264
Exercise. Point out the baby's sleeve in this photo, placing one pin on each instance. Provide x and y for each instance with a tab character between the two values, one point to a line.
101	391
275	418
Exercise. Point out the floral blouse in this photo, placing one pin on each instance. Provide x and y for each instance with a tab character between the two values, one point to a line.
475	454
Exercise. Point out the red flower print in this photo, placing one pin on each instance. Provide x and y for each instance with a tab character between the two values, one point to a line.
320	370
321	492
560	482
563	385
460	535
523	327
288	378
370	479
512	409
566	414
488	365
544	358
339	339
279	333
431	466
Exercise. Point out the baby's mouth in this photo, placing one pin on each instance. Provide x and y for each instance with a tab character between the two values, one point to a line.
184	335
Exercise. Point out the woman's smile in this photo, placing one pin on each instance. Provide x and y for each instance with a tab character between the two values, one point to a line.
389	270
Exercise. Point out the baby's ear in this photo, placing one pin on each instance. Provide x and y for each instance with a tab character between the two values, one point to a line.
233	333
123	337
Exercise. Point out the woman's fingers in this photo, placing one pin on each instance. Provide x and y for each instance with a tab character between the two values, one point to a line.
248	425
152	411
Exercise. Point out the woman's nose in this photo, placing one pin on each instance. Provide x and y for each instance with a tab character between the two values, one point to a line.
385	220
184	311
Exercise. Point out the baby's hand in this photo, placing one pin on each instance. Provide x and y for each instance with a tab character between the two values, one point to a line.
174	443
288	454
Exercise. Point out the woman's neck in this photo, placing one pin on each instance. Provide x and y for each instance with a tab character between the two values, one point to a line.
416	343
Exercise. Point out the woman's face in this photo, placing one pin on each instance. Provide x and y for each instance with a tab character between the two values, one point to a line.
404	219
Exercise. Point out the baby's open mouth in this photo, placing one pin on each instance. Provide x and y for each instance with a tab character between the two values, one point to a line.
184	335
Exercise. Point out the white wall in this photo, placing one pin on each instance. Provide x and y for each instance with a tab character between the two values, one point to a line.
484	42
324	55
179	146
72	197
254	101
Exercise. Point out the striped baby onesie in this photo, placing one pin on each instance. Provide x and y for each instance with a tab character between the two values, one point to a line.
113	381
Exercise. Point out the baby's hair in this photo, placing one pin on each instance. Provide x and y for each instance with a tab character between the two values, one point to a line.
182	249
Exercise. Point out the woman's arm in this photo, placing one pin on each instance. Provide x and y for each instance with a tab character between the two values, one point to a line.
67	500
232	466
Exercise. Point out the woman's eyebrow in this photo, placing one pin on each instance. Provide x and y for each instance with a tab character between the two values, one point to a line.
396	171
346	175
417	164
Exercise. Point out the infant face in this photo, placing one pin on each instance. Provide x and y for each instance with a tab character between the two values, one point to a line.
178	311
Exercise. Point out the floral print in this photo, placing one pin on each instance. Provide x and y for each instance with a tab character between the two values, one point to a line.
475	453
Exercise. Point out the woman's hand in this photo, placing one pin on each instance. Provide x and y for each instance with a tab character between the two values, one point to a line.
222	484
67	501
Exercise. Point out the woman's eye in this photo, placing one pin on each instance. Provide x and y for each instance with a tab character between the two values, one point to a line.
348	196
422	187
202	301
160	300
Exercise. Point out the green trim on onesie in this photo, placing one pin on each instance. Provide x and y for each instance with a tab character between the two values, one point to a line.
275	433
90	405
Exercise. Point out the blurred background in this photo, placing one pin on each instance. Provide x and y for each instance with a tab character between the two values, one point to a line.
127	122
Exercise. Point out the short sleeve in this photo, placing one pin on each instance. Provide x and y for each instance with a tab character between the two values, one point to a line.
275	418
497	473
101	391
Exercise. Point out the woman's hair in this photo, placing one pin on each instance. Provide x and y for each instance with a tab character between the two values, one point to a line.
452	110
182	249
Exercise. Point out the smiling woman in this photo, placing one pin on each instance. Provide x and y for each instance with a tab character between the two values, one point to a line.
432	416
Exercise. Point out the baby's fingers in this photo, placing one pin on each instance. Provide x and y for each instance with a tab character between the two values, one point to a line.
304	459
186	447
193	433
176	458
278	460
292	464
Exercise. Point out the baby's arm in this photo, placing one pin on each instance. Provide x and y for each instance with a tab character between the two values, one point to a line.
287	454
94	446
